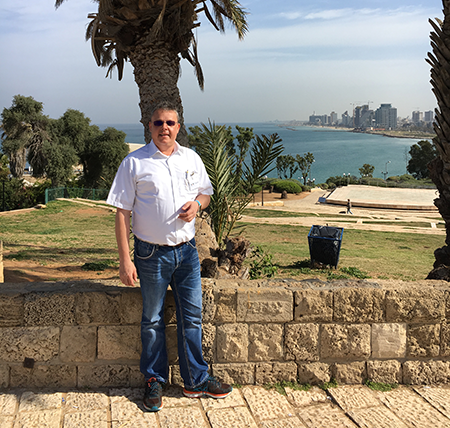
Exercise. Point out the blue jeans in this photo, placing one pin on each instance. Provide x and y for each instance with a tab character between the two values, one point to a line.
157	267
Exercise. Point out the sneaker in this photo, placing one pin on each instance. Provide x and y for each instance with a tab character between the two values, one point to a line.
153	395
210	388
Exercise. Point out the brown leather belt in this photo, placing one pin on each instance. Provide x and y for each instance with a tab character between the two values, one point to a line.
173	246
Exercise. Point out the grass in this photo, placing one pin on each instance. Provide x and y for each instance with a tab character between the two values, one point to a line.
380	386
63	232
383	255
73	234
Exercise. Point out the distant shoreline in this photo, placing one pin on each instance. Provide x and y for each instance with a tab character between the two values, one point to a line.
390	134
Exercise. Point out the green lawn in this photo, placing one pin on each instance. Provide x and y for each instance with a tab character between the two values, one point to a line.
74	234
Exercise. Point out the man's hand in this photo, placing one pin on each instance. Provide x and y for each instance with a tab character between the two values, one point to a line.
190	210
127	272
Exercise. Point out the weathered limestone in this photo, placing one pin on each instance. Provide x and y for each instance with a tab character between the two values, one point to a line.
87	333
388	340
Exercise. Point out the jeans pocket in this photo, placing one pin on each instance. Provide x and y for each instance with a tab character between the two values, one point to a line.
144	250
192	244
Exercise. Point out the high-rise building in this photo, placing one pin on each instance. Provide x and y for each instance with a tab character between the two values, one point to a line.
417	116
333	118
386	116
318	119
347	120
429	116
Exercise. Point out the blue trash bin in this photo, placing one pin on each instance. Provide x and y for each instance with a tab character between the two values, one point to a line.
325	244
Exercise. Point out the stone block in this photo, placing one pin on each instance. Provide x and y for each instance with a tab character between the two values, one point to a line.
302	342
232	343
226	304
78	344
4	376
108	376
97	308
12	310
172	344
276	372
415	306
137	379
209	342
175	375
208	304
243	374
313	306
54	376
314	373
426	372
170	309
445	339
265	342
358	305
119	342
131	306
423	341
345	342
37	343
388	371
265	305
388	340
49	309
350	374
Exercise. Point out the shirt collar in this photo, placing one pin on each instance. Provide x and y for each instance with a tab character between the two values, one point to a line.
153	149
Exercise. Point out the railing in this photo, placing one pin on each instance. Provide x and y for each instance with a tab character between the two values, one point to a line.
75	192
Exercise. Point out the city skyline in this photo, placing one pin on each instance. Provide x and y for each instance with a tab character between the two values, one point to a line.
297	58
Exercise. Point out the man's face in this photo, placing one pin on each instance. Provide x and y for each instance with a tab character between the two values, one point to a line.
164	135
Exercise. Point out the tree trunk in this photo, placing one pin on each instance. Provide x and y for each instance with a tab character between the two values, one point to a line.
440	167
17	162
156	72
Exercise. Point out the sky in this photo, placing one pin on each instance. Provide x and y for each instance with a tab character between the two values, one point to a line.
299	58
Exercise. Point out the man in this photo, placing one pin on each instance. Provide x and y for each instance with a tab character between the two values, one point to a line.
165	185
349	207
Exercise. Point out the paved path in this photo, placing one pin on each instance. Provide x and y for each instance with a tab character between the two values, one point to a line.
249	406
384	218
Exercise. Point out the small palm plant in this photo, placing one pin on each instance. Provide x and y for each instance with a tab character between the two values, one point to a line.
233	180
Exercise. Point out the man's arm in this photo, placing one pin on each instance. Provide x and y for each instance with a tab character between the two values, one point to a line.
191	208
127	270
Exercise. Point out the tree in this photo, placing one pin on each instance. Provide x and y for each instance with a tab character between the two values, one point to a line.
154	36
440	166
232	191
23	124
286	166
367	170
421	154
103	155
304	164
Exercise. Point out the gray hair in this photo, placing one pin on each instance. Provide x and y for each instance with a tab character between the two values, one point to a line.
166	106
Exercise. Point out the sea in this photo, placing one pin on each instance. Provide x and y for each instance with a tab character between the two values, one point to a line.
336	152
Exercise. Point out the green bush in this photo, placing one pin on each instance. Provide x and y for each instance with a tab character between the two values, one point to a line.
288	185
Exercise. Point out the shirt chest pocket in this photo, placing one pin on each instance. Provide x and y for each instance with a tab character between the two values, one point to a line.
190	182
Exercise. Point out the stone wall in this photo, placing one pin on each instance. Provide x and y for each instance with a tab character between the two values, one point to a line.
86	334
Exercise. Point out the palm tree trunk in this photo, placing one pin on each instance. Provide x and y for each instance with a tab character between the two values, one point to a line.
440	167
156	72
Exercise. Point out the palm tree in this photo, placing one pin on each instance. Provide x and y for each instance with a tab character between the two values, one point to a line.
154	35
440	167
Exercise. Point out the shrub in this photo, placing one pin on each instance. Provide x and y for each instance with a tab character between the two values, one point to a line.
288	185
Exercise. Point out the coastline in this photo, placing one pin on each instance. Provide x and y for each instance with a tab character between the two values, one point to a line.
389	134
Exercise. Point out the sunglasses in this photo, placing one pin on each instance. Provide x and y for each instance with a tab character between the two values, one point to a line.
159	123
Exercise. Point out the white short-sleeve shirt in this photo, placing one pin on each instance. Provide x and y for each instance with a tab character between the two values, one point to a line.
155	187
